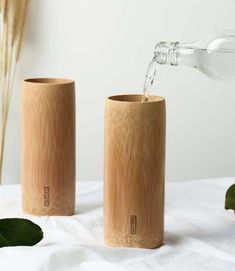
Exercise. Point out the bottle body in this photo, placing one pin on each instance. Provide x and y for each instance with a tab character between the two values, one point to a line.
215	56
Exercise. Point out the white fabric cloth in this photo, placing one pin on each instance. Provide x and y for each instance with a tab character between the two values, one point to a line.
199	233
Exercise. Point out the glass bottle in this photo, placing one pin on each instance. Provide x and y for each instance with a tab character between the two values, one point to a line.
215	56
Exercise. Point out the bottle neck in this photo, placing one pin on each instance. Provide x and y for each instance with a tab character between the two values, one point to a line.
176	53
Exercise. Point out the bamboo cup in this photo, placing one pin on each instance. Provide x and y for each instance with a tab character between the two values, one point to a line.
134	171
48	146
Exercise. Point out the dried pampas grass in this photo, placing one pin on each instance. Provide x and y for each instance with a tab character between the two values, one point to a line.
12	23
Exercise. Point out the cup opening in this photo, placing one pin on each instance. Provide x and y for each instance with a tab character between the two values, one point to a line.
49	81
135	98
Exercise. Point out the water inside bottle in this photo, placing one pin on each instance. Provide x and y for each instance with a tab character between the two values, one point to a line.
217	64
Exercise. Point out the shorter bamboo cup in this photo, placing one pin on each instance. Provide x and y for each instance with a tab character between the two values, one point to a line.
48	146
134	171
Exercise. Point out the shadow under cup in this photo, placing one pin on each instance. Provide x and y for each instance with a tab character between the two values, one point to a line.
134	171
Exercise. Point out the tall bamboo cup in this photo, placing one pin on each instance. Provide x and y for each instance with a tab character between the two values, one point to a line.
48	146
134	171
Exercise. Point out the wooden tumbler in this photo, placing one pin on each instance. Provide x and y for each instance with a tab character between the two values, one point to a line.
48	146
134	171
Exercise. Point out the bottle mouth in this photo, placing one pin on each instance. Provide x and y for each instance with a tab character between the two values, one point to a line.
166	53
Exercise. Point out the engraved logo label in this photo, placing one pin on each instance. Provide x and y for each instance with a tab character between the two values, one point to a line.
133	224
46	196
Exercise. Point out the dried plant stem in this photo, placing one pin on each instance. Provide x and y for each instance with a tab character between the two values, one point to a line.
12	23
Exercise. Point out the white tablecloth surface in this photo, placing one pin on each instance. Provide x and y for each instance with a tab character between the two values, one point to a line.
199	233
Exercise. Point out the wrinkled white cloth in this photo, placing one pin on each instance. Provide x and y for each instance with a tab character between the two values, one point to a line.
199	233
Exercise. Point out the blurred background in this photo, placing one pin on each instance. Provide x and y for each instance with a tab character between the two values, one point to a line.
105	46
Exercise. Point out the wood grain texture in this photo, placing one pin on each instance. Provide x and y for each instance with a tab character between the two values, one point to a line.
48	146
134	171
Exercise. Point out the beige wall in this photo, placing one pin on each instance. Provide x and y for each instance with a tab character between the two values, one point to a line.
105	46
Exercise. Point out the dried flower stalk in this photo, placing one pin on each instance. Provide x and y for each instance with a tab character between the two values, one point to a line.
12	24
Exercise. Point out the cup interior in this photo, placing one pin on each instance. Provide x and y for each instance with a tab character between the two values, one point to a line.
134	98
49	81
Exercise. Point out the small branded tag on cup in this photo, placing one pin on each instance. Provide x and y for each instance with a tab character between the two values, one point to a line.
133	224
46	196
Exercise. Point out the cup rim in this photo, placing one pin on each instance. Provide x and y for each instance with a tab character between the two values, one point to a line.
49	80
134	98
